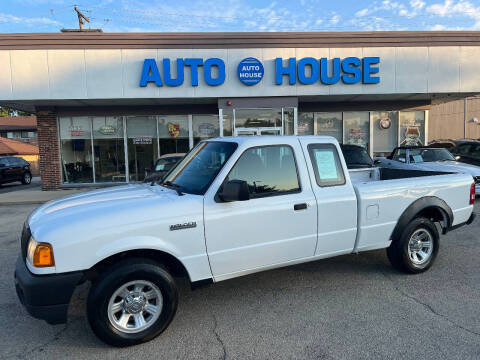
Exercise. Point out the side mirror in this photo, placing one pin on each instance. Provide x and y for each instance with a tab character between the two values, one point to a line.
234	190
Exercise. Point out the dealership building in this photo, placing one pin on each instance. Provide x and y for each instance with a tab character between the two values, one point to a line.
109	105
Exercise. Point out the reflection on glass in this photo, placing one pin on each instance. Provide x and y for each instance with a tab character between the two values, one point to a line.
258	118
412	128
267	170
385	131
109	152
227	122
142	145
173	134
329	124
204	127
305	123
288	121
357	128
76	149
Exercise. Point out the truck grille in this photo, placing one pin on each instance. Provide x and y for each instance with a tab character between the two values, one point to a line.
24	240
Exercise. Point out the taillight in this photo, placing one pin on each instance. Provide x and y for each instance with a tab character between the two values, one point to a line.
472	194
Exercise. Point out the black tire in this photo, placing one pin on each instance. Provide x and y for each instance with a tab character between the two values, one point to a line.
112	279
398	251
26	178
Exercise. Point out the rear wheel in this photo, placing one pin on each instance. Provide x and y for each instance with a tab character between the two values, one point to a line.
26	178
416	248
132	302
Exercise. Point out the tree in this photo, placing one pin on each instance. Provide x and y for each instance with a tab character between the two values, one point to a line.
6	111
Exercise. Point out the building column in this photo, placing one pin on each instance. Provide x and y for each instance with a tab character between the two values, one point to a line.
48	146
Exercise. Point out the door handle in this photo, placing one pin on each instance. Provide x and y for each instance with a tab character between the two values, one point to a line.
302	206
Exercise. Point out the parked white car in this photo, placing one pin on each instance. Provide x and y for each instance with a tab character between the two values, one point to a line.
231	207
430	159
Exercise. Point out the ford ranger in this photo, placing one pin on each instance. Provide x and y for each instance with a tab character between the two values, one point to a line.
230	207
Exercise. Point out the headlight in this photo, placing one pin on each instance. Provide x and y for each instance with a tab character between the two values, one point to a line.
40	254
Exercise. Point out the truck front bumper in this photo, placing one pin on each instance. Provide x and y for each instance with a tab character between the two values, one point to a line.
45	297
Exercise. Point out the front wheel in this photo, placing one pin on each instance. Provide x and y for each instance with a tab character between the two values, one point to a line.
132	302
26	178
417	247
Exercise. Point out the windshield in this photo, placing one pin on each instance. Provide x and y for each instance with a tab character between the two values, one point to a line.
166	163
356	156
429	155
199	167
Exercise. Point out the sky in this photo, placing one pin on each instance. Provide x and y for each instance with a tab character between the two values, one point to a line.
18	16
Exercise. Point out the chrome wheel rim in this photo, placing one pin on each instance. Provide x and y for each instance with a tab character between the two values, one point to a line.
135	306
26	178
420	246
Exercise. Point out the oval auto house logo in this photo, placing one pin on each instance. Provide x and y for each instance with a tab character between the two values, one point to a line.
250	71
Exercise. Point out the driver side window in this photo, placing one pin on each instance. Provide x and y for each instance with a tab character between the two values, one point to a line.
268	171
400	155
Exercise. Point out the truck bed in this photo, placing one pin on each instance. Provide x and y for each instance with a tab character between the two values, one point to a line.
387	194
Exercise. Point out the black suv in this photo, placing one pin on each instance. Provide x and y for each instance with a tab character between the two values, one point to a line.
14	169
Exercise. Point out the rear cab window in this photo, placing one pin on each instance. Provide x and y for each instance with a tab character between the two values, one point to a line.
326	165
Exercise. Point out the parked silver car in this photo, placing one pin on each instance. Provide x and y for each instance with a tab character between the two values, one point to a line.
430	159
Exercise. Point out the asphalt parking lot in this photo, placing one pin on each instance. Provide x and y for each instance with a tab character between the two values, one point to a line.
349	307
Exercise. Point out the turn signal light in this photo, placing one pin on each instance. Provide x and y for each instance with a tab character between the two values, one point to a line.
43	255
472	194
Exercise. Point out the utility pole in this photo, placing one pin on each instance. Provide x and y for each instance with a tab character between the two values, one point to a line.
81	18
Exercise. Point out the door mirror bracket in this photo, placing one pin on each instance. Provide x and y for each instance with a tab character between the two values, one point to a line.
234	190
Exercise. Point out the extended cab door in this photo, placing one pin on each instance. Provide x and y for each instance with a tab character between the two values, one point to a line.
277	225
336	198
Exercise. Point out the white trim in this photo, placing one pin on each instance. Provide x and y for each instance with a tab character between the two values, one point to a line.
295	120
125	148
370	135
190	131
93	149
220	122
426	127
158	140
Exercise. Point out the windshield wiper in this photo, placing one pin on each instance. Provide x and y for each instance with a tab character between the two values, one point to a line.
173	186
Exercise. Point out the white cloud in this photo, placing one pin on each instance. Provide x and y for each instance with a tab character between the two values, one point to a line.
29	21
335	19
363	12
460	8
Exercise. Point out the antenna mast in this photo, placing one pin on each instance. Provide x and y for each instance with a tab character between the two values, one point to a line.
81	18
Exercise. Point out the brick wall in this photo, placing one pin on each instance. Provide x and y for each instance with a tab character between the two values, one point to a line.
49	163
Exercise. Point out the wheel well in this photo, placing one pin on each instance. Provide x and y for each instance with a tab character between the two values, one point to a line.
173	265
435	214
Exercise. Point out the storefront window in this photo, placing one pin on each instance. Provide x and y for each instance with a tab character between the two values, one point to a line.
305	123
173	134
412	128
288	121
356	128
204	127
109	150
76	149
258	118
142	145
329	124
385	131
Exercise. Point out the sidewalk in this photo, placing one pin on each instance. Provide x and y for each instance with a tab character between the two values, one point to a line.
34	196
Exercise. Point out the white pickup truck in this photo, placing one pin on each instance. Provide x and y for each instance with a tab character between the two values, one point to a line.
231	207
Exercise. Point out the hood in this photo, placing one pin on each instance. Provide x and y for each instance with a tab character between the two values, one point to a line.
130	202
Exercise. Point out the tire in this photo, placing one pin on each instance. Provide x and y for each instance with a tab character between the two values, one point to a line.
406	252
101	302
26	178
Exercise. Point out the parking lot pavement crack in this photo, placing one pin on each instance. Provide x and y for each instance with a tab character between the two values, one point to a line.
429	307
217	336
26	354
